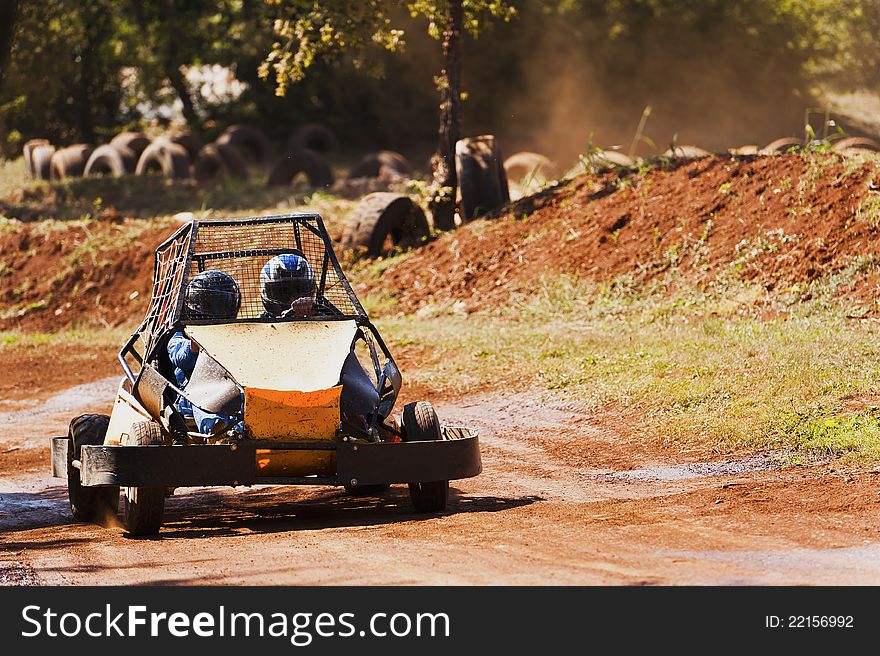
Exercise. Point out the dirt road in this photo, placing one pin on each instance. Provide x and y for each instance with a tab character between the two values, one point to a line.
566	497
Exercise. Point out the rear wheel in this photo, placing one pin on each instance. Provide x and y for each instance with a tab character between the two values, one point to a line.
144	507
420	424
88	504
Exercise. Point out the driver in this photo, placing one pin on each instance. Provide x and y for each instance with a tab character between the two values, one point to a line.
287	286
212	295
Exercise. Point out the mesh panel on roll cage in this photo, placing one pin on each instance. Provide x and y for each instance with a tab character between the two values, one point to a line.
240	247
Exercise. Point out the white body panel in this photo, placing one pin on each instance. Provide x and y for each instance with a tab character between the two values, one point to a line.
126	411
302	356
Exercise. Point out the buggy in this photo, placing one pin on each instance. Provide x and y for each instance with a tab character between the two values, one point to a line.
310	396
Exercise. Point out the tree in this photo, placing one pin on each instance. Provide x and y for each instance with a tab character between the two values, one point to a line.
309	29
8	15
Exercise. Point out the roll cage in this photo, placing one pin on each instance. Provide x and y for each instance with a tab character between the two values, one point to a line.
240	247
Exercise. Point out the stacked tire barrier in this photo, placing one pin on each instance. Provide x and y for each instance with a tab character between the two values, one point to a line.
482	180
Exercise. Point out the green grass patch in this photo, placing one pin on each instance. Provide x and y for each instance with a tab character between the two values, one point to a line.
692	376
11	339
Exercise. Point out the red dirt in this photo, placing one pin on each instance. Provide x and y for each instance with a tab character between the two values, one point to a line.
40	370
80	273
696	216
696	212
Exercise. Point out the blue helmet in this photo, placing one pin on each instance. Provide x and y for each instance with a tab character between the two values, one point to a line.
284	279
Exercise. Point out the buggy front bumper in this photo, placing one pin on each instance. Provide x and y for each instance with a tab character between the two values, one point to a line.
357	463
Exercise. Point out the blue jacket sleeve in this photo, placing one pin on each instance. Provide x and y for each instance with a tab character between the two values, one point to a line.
180	353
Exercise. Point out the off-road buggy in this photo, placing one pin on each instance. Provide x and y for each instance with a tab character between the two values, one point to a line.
310	398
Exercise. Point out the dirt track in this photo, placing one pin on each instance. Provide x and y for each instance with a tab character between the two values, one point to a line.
565	498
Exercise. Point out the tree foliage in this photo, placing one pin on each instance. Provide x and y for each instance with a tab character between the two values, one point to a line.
80	71
308	30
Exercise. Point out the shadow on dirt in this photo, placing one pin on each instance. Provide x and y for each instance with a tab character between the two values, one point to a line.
21	511
215	514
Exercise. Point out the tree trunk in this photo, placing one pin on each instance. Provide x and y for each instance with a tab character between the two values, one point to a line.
8	15
165	43
178	83
443	162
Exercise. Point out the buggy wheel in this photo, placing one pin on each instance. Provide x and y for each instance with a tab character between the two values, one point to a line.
419	424
88	503
144	507
367	490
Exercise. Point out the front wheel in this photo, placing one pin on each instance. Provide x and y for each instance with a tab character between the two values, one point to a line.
88	504
420	424
144	507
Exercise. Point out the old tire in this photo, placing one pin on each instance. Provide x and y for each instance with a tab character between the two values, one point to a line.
41	160
384	216
252	143
88	503
299	162
108	160
685	152
164	156
525	164
420	424
481	176
131	142
372	165
69	162
219	160
782	145
860	143
313	136
144	507
190	142
27	150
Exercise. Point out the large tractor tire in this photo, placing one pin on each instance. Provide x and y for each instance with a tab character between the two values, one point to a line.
41	160
108	160
481	176
251	142
299	162
372	165
313	136
144	507
219	160
27	151
419	424
130	142
69	162
384	217
98	504
165	157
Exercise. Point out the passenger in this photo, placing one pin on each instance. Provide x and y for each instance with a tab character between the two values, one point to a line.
212	295
287	286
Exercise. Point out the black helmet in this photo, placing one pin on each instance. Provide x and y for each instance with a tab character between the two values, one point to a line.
212	295
284	279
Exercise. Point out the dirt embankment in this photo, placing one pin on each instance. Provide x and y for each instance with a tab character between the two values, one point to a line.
777	221
96	273
774	221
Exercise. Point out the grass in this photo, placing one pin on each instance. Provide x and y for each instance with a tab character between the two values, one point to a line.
91	337
690	377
